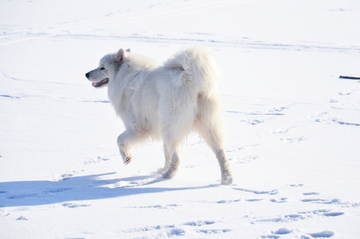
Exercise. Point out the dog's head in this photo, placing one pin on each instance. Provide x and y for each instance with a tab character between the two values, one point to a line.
107	69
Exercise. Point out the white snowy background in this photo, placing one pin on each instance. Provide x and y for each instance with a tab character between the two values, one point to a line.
293	125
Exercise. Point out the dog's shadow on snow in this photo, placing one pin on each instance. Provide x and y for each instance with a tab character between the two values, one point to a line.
80	188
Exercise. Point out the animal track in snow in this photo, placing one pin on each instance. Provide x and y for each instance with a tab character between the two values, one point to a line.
335	120
22	218
74	205
260	116
311	193
228	201
10	96
190	166
235	148
96	160
272	192
169	206
239	200
282	231
279	109
335	201
270	237
189	228
4	214
246	159
276	234
255	113
66	176
301	216
135	181
283	131
345	123
345	93
296	185
324	234
274	111
63	177
281	200
293	140
320	114
199	223
95	101
238	148
253	121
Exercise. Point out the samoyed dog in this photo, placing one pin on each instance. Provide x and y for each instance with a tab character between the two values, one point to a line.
165	101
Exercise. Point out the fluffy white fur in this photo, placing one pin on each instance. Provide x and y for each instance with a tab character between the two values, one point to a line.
165	101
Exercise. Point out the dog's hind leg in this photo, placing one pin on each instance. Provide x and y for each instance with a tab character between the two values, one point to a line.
128	140
226	177
213	143
173	139
177	119
173	163
167	160
211	130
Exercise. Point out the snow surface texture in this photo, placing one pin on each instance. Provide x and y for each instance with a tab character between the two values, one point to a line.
293	125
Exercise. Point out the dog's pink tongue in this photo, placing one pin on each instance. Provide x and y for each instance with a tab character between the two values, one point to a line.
93	84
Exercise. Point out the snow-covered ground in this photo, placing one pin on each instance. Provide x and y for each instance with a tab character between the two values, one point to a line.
293	125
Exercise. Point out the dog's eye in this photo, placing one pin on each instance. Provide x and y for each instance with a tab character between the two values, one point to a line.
102	68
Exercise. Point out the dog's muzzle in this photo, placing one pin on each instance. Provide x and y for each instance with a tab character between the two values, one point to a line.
101	83
97	84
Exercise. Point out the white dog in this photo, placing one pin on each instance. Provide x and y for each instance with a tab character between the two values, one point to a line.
165	101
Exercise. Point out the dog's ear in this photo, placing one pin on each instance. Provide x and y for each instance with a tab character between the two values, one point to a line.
119	55
128	50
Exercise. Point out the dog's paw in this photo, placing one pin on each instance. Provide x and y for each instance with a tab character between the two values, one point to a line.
169	174
127	160
227	180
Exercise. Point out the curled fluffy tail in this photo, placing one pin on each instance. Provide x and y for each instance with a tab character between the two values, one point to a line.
199	68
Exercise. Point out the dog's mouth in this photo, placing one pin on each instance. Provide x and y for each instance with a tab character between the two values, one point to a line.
101	83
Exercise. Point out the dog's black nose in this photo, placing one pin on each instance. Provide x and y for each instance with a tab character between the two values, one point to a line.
87	75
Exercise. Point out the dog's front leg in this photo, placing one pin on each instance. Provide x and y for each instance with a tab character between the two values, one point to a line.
126	156
128	140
